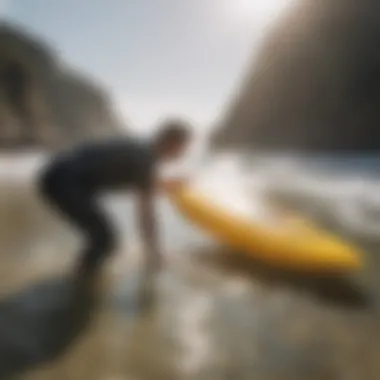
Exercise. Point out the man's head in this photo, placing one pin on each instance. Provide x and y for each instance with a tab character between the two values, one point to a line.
172	139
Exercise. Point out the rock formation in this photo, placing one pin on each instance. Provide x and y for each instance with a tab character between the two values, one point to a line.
315	85
42	101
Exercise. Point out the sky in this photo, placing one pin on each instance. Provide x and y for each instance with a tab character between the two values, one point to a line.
157	57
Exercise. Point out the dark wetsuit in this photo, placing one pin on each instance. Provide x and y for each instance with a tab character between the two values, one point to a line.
72	181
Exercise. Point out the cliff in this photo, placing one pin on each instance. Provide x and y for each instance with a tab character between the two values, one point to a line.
43	102
315	85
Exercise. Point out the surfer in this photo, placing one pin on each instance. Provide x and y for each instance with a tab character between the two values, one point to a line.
74	179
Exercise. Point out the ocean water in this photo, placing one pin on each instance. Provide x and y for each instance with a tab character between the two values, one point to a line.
342	190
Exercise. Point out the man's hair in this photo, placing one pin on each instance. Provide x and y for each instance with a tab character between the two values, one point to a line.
173	131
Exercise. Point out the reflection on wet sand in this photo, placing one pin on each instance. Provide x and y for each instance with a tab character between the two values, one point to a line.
38	324
218	318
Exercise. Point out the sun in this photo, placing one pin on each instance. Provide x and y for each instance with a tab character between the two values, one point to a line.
264	7
260	11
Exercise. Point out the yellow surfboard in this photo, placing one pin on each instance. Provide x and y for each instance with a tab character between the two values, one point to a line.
291	242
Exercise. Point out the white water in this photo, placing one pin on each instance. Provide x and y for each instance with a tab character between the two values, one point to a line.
348	195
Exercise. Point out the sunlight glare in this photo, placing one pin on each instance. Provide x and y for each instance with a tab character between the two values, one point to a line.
258	11
263	7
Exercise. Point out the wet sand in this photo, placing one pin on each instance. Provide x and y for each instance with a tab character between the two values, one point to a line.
215	317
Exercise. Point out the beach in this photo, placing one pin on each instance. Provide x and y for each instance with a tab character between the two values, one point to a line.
216	315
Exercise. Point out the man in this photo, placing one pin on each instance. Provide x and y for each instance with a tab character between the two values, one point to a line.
73	181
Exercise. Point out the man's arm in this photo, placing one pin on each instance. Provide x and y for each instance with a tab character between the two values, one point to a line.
148	227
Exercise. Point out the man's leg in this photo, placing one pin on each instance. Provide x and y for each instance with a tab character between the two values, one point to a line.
99	234
81	209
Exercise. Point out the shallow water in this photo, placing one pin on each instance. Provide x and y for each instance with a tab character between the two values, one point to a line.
216	315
